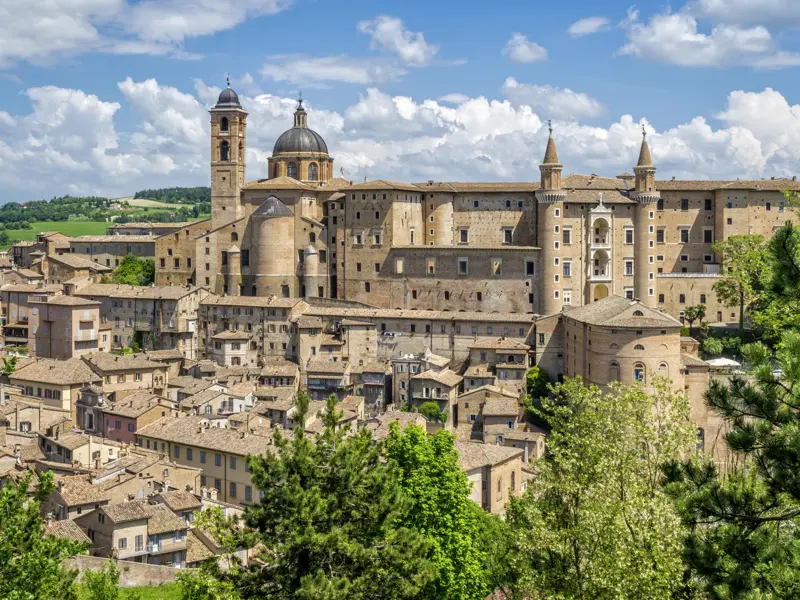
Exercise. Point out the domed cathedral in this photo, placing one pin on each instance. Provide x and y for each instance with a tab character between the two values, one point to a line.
270	236
301	153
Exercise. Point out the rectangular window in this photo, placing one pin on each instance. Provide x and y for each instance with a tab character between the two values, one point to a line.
628	235
684	204
529	268
566	236
628	267
708	236
660	204
684	236
233	462
497	266
507	233
188	454
463	266
660	235
218	460
567	268
708	204
398	266
463	236
122	543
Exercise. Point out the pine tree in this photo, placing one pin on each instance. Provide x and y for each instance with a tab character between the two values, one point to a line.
332	520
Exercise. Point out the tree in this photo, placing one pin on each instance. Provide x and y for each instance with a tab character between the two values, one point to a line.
135	271
9	365
102	584
537	385
439	490
712	346
744	267
595	523
31	560
745	525
430	410
694	313
332	520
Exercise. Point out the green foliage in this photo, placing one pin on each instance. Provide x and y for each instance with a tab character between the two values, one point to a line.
595	522
745	265
178	195
712	347
430	410
102	584
537	386
30	560
135	271
745	534
332	520
205	583
439	490
9	364
694	313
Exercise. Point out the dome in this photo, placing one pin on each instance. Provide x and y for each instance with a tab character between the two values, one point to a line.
228	99
300	139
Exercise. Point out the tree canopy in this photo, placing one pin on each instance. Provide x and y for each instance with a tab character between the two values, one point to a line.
135	271
595	522
744	266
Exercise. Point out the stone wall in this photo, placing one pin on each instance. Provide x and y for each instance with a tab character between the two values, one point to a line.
132	574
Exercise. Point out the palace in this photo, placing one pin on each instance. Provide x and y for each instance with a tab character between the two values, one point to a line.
517	247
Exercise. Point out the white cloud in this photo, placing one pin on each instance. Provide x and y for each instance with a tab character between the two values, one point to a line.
68	141
675	38
307	70
749	12
520	50
454	98
390	35
588	26
42	31
553	102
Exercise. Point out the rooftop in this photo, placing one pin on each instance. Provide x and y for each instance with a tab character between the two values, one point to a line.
135	405
445	377
326	366
195	431
130	292
71	371
474	455
501	344
66	529
78	262
79	490
109	363
616	311
500	407
112	238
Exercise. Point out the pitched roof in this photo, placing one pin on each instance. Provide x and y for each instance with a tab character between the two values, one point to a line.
255	301
501	344
78	262
162	520
133	292
379	426
326	366
105	362
384	184
779	184
80	490
180	500
66	529
113	238
64	372
279	183
196	550
135	405
279	368
173	354
616	311
272	208
690	360
231	335
472	455
193	431
500	407
445	377
69	301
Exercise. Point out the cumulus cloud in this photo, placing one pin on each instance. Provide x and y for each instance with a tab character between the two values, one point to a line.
40	31
553	102
749	12
520	50
389	34
588	26
319	71
69	141
675	38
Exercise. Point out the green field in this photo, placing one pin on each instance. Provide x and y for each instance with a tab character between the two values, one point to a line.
145	203
71	228
168	591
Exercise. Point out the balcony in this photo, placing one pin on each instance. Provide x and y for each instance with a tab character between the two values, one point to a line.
601	234
600	267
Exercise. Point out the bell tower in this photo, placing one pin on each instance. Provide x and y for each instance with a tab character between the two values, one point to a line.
228	147
550	205
646	196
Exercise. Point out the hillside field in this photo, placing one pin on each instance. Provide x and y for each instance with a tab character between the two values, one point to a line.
71	228
145	203
168	591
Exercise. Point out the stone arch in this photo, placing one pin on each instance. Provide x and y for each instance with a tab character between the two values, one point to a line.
600	292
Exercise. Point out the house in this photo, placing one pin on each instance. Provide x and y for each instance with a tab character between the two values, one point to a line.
230	348
60	268
124	417
64	327
74	496
124	373
56	382
280	373
324	377
219	452
472	417
71	447
379	425
372	382
506	357
405	366
137	531
440	387
184	504
495	472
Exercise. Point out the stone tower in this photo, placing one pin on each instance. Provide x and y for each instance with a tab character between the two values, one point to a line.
646	197
301	153
228	147
550	206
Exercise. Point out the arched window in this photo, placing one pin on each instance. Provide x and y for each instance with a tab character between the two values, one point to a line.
638	347
313	172
224	151
663	370
513	481
312	237
254	291
292	170
499	488
702	298
638	372
234	236
638	313
223	124
613	371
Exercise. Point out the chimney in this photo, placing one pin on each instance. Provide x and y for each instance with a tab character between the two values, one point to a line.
49	519
212	493
60	485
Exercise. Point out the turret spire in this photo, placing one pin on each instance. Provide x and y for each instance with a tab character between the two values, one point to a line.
645	160
550	154
300	115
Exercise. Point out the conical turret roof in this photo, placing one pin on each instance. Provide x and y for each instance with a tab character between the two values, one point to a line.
645	160
550	155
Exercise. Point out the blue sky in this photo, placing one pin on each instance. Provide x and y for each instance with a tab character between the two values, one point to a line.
109	96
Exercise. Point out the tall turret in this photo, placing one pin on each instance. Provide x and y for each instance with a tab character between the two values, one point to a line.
228	146
646	196
550	205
